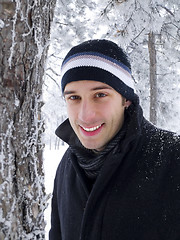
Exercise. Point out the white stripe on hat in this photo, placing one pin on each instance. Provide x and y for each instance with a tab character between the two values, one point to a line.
99	62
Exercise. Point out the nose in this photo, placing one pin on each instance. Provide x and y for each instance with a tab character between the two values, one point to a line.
87	112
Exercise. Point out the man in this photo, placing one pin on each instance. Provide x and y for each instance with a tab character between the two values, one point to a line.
120	177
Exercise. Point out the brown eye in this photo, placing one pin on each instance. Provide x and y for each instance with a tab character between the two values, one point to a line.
74	97
100	95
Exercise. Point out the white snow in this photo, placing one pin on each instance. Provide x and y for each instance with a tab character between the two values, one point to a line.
1	23
51	161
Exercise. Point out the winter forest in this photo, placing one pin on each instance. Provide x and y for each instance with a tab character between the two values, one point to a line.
35	35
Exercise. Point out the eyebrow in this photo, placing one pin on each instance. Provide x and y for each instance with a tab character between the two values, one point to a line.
68	92
92	89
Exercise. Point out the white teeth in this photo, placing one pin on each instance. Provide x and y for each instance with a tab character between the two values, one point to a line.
91	129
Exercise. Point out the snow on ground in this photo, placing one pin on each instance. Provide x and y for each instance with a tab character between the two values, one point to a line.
51	161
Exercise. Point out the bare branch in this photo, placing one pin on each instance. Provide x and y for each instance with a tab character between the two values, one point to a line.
167	10
53	71
53	80
138	35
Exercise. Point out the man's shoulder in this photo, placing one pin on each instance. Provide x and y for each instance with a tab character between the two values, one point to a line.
161	147
159	135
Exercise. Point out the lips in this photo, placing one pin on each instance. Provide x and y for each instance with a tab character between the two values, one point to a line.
92	130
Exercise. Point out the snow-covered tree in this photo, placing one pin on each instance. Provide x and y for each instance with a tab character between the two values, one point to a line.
149	31
24	39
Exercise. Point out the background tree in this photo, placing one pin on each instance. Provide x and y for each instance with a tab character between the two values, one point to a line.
24	39
149	31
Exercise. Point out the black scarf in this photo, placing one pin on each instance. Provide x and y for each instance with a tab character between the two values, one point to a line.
92	161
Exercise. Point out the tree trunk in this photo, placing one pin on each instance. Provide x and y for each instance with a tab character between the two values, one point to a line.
153	78
24	37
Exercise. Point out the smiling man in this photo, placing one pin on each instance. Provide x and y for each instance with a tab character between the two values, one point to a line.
120	176
96	112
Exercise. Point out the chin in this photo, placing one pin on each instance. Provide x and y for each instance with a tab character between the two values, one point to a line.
93	147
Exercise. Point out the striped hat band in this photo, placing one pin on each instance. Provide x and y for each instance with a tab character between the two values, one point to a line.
100	61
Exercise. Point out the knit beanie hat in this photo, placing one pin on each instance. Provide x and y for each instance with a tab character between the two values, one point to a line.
99	60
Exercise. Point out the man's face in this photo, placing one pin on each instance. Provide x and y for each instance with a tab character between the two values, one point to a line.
96	112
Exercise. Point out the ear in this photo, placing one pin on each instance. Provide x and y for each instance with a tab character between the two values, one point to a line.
127	103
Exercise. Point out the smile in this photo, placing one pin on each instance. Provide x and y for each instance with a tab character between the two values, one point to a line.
92	129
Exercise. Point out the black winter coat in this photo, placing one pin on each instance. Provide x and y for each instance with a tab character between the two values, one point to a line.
135	197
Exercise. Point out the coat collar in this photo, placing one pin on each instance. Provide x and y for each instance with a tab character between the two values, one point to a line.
66	133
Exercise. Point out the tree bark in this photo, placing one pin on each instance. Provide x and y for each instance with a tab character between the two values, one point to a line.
153	78
24	37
